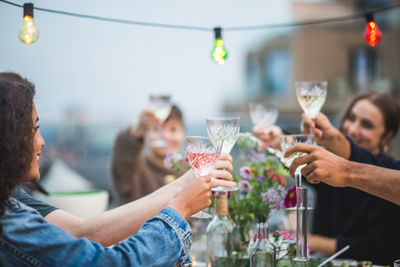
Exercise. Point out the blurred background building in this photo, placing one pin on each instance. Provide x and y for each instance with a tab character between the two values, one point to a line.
334	52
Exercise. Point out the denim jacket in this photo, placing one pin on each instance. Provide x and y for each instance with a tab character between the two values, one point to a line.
28	240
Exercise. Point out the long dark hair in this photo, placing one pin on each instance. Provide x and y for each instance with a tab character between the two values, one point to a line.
16	137
386	104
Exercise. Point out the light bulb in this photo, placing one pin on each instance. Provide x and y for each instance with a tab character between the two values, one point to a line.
28	33
372	34
219	53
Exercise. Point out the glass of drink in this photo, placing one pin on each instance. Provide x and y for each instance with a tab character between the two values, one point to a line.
223	131
311	96
288	141
161	105
263	114
202	155
396	263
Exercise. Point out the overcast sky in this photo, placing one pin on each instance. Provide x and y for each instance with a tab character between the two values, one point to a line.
108	69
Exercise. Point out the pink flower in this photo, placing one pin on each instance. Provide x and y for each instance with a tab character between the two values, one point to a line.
245	186
290	198
285	235
246	173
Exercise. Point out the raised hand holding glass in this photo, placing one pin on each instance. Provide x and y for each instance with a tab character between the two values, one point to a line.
223	132
311	96
161	106
202	155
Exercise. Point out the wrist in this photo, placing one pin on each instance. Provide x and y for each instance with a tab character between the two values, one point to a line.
137	131
180	207
340	145
353	172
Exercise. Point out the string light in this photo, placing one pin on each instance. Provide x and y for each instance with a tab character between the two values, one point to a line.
28	33
372	34
219	53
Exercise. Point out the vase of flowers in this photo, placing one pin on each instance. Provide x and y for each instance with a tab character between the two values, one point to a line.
262	182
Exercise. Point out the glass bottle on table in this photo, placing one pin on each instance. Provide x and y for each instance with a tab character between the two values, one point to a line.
261	251
220	234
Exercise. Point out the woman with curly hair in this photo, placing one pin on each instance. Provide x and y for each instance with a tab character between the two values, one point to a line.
26	239
17	131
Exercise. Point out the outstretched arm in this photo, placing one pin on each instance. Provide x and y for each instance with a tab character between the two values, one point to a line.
115	225
323	166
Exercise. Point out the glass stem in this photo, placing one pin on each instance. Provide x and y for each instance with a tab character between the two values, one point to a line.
297	175
301	235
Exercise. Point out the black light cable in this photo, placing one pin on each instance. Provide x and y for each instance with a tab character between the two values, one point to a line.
195	28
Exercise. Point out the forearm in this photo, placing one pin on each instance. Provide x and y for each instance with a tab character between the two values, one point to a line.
115	225
381	182
322	244
339	145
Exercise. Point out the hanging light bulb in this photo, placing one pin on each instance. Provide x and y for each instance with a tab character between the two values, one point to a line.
219	53
28	33
372	34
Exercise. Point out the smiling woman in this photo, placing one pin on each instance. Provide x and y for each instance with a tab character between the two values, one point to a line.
27	239
349	216
38	144
371	121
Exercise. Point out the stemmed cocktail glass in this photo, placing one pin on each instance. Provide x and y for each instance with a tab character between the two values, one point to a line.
311	96
223	132
161	105
301	232
263	114
202	155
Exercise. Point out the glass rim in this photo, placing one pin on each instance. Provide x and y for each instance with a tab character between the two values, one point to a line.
197	137
263	104
160	96
221	118
311	82
295	135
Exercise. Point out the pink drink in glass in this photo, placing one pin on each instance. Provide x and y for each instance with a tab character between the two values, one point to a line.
202	163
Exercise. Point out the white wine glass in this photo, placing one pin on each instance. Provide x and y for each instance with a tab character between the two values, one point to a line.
263	114
202	155
288	141
223	131
161	105
311	96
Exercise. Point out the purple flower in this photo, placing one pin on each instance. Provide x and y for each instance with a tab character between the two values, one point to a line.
282	190
254	156
171	158
260	178
245	187
273	199
246	173
275	159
